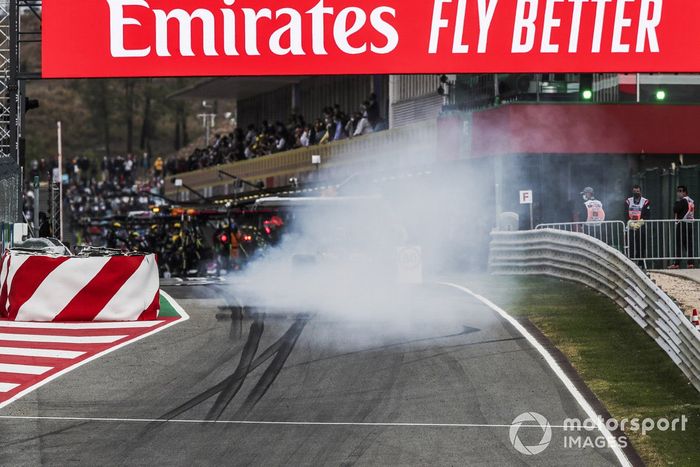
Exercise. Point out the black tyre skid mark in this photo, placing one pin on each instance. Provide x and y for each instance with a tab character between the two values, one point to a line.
229	387
236	380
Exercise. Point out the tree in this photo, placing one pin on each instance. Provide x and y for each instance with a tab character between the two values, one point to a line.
97	97
129	88
181	137
147	125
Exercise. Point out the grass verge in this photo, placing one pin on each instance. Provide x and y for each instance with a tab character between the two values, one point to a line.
623	366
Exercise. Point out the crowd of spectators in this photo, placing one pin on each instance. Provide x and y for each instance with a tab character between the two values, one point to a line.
105	198
257	141
114	186
83	169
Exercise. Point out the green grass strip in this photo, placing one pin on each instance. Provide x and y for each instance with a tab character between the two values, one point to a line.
166	309
619	362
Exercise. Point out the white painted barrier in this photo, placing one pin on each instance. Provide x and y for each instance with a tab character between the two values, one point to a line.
578	257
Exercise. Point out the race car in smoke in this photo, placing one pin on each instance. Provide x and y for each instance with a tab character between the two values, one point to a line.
339	253
349	231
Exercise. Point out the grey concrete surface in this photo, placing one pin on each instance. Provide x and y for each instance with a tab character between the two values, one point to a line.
690	274
449	360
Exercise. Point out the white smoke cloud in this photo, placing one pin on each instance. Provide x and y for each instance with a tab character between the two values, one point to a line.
339	260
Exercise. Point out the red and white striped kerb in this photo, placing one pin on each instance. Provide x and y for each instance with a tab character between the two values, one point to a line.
65	288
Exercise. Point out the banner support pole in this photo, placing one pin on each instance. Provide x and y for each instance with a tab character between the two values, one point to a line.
60	181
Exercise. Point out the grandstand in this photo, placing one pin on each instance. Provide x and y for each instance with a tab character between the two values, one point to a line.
516	131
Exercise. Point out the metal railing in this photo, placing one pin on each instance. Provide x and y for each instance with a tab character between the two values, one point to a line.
10	179
645	241
664	240
612	233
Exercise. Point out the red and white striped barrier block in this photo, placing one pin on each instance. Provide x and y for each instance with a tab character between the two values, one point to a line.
67	288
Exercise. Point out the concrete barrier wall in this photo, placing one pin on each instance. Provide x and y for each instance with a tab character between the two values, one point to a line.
581	258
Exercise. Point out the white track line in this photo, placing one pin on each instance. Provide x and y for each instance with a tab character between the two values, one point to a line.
24	369
111	325
274	423
178	308
44	353
590	412
61	339
5	387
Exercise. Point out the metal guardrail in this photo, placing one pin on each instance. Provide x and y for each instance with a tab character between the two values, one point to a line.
611	233
644	241
581	258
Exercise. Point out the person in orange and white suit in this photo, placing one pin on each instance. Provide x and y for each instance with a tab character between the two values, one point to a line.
591	212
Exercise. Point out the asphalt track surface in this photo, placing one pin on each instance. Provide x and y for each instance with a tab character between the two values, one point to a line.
301	389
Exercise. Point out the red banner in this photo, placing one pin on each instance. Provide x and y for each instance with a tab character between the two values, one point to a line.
113	38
